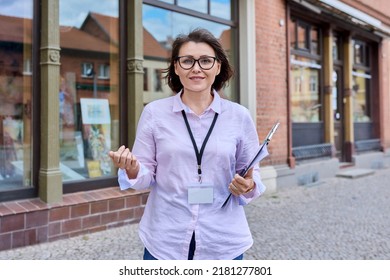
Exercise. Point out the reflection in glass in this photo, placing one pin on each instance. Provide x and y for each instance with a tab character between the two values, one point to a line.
314	36
302	36
292	33
305	98
360	93
196	5
15	93
168	1
335	96
221	8
89	87
358	53
160	29
335	47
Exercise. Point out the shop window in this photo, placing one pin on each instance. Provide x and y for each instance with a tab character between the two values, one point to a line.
160	28
201	5
361	97
305	83
361	75
16	42
305	71
313	83
304	37
358	53
88	95
305	98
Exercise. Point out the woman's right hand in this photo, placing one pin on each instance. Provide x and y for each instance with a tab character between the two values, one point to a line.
124	159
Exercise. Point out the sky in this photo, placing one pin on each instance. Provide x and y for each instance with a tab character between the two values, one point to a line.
17	8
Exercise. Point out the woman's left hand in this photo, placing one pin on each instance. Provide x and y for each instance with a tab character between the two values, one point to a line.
242	185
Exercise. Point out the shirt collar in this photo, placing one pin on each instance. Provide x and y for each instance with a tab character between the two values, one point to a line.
178	104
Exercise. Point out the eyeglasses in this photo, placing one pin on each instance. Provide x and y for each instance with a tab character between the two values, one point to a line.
204	62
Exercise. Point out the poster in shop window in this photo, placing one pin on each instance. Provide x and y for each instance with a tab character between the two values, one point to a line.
96	121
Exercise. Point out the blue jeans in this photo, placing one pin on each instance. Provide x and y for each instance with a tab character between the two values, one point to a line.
149	256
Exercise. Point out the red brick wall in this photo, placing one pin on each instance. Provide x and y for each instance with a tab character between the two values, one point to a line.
271	73
31	221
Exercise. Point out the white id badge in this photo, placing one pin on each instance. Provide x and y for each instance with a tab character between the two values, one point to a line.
200	193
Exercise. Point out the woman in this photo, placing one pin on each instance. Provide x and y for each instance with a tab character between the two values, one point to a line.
188	150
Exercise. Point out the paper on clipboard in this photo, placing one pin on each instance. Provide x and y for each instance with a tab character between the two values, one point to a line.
262	152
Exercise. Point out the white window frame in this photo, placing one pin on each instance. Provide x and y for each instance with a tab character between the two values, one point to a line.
104	71
85	69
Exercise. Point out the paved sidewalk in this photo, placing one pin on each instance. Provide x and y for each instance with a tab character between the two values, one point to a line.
339	218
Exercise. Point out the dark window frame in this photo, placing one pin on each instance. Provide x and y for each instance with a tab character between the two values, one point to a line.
32	190
313	132
366	67
309	54
206	16
308	51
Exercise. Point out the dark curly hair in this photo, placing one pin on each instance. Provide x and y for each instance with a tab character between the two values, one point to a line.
199	35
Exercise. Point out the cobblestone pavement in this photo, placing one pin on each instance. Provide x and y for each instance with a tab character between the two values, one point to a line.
337	218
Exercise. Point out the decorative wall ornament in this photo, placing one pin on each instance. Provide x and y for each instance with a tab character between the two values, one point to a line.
50	56
54	55
135	65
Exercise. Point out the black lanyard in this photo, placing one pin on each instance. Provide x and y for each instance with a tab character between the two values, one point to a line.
197	153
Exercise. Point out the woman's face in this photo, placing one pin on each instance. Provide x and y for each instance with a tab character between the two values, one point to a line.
196	79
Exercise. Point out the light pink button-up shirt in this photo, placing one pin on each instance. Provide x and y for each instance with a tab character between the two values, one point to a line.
168	165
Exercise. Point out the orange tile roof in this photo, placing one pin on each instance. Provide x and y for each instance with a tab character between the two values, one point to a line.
15	29
73	38
151	46
18	30
108	24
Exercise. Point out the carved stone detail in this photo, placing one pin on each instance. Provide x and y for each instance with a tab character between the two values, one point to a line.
50	56
135	66
54	55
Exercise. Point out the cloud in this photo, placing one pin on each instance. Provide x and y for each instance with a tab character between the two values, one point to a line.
20	8
73	12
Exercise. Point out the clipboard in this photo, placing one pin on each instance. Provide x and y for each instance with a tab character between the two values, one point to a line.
258	156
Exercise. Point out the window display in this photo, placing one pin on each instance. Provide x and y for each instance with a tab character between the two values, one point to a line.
15	94
89	88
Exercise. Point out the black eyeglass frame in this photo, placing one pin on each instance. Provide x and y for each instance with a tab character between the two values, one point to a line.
196	60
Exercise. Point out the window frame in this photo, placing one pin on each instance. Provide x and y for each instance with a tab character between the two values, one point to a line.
308	54
31	190
368	73
206	16
104	71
